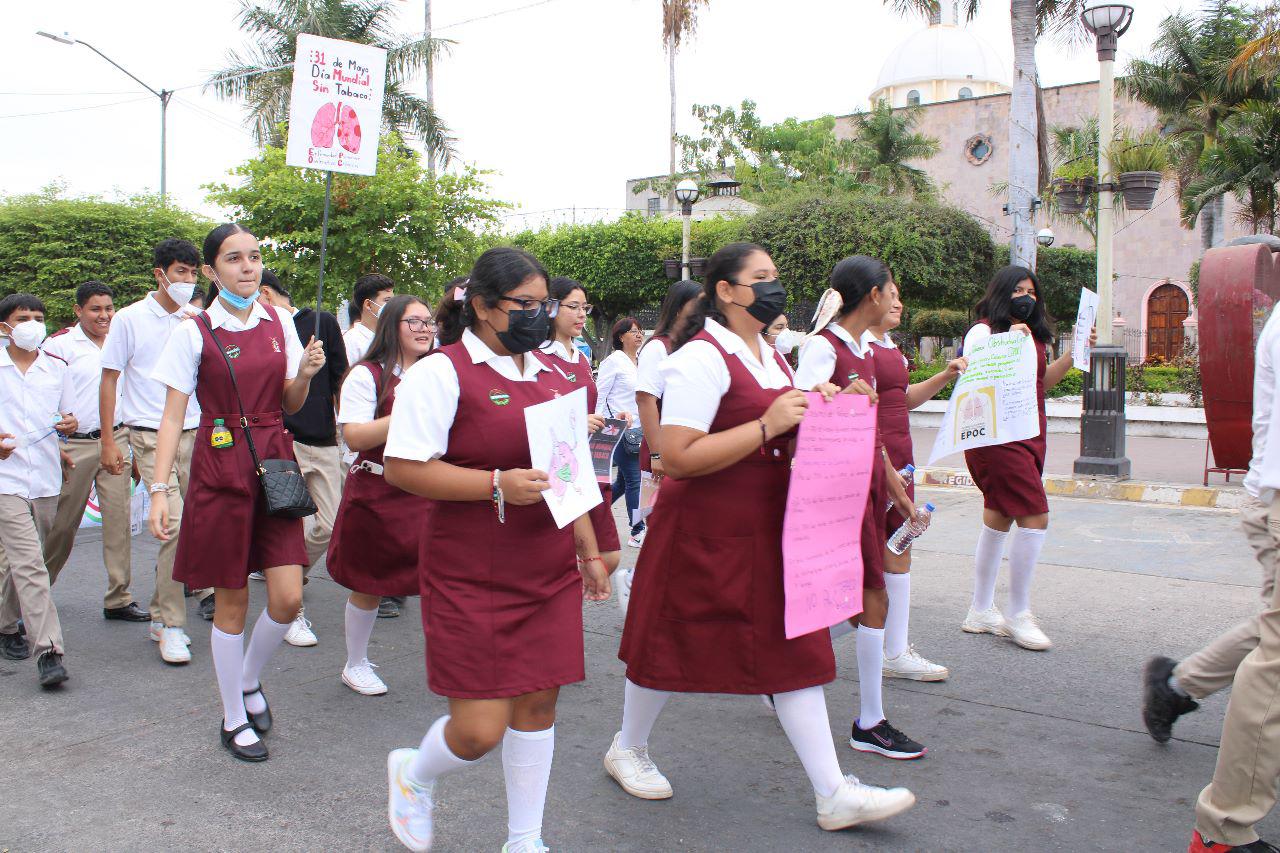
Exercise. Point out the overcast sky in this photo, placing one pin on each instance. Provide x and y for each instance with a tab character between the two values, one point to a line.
564	99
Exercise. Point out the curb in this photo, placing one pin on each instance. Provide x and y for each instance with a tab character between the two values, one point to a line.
1168	494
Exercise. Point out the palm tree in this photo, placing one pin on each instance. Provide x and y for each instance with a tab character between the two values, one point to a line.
886	141
1244	162
679	21
1263	53
262	73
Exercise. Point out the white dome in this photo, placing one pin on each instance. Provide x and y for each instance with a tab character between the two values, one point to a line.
942	52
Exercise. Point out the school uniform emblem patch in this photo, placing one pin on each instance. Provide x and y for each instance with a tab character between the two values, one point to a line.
232	351
275	345
499	398
572	377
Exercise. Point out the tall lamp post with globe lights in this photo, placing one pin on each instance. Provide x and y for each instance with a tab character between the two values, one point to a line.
1102	418
686	193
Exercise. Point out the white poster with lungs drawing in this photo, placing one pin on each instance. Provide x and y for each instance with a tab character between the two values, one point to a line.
335	108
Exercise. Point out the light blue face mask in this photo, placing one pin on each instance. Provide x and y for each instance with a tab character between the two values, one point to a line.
234	299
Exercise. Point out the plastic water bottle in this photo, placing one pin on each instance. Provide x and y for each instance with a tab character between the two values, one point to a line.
908	474
910	530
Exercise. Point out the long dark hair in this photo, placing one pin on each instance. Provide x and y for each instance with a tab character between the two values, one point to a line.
725	265
854	278
560	288
678	296
213	245
497	272
385	347
994	305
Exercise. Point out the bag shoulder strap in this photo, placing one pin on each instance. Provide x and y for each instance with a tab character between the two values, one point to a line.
244	421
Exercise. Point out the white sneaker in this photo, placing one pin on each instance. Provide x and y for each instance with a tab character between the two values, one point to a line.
1025	631
362	679
173	647
300	633
636	539
622	584
158	627
912	666
854	803
257	576
531	845
635	771
766	699
409	805
989	621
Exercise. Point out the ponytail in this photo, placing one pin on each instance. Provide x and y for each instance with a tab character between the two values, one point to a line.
725	265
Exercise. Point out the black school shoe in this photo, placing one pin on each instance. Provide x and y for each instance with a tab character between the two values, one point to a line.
261	722
253	752
52	672
884	739
14	647
131	612
1161	704
389	607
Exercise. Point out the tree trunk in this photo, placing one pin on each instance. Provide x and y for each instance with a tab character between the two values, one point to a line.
1213	228
431	86
1023	151
671	77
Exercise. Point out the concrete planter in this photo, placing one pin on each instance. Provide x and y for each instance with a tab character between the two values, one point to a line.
1139	189
1073	196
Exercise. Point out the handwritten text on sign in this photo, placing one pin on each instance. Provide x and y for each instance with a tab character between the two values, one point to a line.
335	107
994	401
822	533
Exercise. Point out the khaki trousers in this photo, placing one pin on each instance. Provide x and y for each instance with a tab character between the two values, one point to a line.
24	580
1243	789
1214	667
323	471
167	604
113	501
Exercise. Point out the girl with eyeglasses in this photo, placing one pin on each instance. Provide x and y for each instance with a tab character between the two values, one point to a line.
374	548
617	379
501	589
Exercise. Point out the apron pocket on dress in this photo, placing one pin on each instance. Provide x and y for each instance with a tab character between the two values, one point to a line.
710	578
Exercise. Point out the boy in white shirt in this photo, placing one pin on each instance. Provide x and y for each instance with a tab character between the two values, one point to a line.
36	397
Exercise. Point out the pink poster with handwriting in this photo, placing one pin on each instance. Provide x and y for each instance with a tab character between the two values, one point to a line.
822	533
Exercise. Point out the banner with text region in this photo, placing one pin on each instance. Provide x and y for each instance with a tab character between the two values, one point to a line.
822	531
994	401
336	99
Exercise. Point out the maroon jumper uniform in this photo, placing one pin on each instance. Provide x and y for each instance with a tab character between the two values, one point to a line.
893	419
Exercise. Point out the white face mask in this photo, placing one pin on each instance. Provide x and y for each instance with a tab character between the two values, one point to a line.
787	340
377	308
180	292
28	334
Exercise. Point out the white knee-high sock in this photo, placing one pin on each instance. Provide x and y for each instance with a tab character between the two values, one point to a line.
898	619
803	715
526	765
986	565
870	645
1023	554
263	642
228	662
434	758
640	709
359	627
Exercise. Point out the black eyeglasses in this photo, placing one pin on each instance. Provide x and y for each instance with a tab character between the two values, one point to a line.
534	307
417	324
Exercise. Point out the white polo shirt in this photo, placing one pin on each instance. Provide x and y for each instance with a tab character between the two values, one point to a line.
649	377
818	357
359	401
84	358
134	346
179	366
357	340
30	404
1264	468
427	398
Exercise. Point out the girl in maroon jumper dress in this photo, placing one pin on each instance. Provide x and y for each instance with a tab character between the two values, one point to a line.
376	535
897	398
501	594
706	613
1009	475
571	364
225	532
841	353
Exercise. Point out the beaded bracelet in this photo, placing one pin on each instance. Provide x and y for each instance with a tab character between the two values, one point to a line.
499	504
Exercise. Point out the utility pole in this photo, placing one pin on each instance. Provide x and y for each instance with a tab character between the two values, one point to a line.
431	86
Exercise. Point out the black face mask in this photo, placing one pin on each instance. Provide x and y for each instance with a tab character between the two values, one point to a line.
771	299
524	333
1021	307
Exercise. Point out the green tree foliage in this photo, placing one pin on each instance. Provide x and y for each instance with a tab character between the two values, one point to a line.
400	222
49	244
1062	272
1245	163
886	142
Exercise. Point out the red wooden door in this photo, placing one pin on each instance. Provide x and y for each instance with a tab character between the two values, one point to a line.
1166	309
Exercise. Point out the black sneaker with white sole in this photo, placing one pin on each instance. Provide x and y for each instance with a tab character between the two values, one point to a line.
884	739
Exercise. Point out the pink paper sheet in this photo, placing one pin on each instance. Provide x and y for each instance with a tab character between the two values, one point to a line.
822	533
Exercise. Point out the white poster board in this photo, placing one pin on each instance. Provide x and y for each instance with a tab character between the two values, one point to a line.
1086	319
559	445
994	401
335	109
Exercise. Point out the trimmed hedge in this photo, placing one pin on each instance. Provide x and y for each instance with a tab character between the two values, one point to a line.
1062	272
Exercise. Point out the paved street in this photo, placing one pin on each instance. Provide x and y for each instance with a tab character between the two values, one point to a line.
1027	751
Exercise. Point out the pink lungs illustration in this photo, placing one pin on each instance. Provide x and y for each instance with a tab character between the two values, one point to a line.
564	468
336	119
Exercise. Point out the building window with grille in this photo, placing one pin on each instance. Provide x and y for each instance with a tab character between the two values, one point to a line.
913	98
965	93
655	206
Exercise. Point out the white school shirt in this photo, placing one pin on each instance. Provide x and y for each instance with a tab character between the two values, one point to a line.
818	356
696	377
1264	468
359	401
572	355
179	367
357	340
30	404
650	379
84	360
427	398
134	346
616	383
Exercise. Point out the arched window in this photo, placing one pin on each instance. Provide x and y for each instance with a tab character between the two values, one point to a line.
913	98
965	93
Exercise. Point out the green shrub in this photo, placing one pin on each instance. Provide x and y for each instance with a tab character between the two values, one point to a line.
939	323
1072	385
926	371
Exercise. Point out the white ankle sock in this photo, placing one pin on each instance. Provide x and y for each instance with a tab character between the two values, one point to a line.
986	565
228	662
1175	686
263	642
359	627
1023	554
803	715
899	617
434	758
526	765
870	643
640	709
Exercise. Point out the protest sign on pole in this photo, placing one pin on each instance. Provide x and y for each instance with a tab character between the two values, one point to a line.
994	401
822	530
1086	319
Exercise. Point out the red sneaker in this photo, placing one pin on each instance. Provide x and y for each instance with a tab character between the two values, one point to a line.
1199	845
